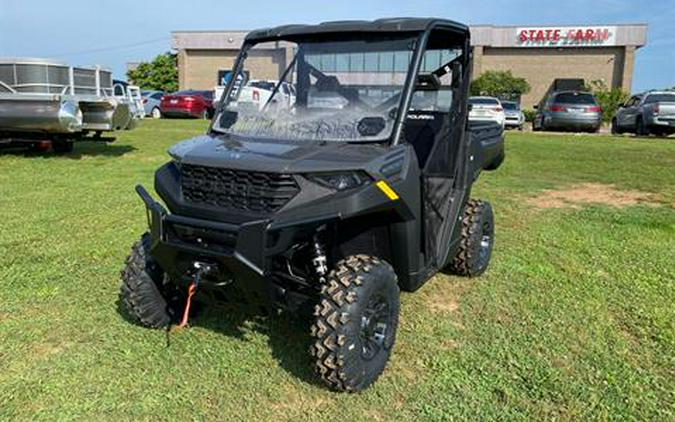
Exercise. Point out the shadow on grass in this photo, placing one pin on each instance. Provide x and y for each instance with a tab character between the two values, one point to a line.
287	334
80	150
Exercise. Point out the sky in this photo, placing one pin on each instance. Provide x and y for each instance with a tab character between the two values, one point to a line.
112	33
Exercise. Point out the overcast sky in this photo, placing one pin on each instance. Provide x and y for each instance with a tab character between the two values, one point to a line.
112	33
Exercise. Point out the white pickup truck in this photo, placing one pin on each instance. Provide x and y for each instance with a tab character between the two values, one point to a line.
257	92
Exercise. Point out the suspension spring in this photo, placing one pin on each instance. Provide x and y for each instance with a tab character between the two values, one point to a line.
319	261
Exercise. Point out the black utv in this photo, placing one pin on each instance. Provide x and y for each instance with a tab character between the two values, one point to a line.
339	196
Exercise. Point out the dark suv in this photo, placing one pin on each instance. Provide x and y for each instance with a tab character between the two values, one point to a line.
337	209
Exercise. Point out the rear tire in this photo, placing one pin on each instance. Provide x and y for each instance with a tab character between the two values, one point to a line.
640	128
156	113
476	241
143	292
356	321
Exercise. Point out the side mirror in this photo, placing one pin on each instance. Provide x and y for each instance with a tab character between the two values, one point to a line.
470	107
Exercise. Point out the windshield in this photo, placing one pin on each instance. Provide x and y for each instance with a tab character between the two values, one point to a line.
326	90
574	98
510	106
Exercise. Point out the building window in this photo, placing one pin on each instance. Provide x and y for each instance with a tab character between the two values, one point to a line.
371	62
356	62
327	62
342	62
386	62
402	61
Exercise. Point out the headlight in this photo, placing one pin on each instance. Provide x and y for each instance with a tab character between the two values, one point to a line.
340	180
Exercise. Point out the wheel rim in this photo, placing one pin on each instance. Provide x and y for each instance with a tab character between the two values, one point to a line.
156	113
375	323
485	243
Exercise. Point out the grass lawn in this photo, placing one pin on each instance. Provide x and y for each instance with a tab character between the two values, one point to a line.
574	319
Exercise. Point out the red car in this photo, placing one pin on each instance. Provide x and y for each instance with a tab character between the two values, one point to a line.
189	103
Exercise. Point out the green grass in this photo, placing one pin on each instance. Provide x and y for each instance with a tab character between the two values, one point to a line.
574	319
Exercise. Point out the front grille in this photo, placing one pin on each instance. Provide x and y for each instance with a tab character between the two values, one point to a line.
236	189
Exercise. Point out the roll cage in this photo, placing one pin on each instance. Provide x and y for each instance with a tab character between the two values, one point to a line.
424	30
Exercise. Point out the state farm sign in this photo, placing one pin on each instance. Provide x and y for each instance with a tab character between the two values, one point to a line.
592	36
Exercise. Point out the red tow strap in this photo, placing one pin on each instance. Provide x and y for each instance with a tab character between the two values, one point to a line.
186	313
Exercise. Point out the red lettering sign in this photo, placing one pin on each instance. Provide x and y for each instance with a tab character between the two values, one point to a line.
565	36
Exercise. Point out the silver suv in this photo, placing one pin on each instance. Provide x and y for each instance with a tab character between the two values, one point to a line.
644	114
568	110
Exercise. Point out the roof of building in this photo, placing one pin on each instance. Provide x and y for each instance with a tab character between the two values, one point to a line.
481	35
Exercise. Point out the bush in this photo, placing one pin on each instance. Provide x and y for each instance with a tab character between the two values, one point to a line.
609	99
501	84
529	115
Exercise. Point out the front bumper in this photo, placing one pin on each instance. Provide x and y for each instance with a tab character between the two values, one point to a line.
178	242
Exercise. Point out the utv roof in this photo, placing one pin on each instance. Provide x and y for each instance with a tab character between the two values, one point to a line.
379	25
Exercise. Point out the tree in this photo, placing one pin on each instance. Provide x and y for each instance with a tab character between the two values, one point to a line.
501	84
609	99
160	74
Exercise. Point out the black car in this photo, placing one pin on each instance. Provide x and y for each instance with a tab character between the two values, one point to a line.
334	209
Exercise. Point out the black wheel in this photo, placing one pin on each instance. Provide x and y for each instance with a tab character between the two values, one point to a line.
63	147
206	114
477	238
156	113
615	128
640	128
145	293
356	321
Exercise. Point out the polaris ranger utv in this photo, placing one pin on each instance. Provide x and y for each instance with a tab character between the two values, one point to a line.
356	189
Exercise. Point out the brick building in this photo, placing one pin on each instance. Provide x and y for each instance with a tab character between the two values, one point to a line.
539	54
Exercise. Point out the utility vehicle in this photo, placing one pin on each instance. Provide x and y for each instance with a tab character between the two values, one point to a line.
334	208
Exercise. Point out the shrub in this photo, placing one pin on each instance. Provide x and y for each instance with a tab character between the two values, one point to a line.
501	84
529	115
159	74
609	99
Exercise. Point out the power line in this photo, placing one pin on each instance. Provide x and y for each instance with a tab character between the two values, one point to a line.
112	48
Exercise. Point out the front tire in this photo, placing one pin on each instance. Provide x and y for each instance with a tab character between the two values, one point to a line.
356	321
476	241
143	292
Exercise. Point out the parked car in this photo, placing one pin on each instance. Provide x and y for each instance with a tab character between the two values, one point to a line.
188	103
151	100
568	110
651	112
257	92
486	109
514	117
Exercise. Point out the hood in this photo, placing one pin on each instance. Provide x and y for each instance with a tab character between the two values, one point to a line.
273	155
